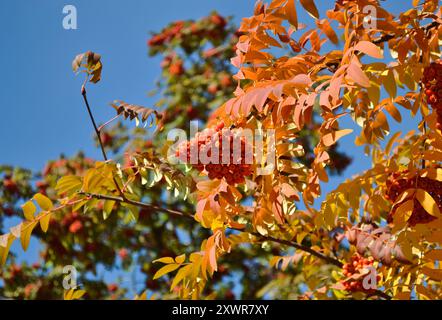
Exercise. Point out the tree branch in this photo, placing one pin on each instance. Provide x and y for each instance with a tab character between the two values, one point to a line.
136	203
301	247
388	37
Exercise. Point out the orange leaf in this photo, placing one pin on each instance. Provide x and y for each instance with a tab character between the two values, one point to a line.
370	49
355	72
330	138
434	274
310	6
324	25
394	112
290	11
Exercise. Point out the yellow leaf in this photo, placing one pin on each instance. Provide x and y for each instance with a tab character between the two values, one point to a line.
180	259
389	83
68	185
165	270
300	236
73	294
142	296
44	202
310	6
391	142
405	210
6	241
26	231
29	209
107	208
427	202
78	294
166	260
68	294
44	221
181	274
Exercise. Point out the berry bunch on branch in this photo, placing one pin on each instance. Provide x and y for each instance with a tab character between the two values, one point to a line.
399	182
432	81
355	270
226	155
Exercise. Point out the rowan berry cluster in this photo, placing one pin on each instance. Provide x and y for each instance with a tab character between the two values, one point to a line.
234	170
211	27
433	89
397	183
352	268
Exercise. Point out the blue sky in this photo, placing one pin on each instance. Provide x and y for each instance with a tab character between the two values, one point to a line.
42	109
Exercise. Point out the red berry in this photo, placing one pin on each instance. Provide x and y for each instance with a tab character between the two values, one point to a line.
76	226
123	254
176	68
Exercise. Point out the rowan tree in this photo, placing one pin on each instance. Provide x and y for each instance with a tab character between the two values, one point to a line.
293	91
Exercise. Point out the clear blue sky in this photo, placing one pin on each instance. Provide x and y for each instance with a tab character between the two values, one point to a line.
42	110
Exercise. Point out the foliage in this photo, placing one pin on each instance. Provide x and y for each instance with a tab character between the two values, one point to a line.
289	82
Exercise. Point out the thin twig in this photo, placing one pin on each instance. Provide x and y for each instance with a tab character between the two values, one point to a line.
136	203
107	122
97	132
301	247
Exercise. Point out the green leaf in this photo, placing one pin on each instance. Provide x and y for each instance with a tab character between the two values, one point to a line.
29	209
44	202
